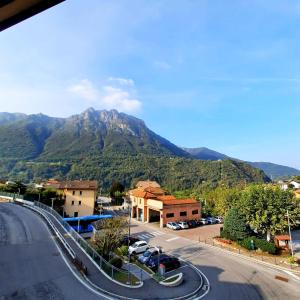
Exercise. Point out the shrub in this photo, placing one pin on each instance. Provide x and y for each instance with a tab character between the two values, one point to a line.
265	246
116	262
123	250
246	243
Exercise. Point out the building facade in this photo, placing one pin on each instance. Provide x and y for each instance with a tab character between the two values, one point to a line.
80	197
151	204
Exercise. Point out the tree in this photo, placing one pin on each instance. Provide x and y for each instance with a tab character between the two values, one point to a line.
109	233
235	227
116	189
264	207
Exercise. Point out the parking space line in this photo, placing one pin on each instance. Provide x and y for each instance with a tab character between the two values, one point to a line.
173	239
157	233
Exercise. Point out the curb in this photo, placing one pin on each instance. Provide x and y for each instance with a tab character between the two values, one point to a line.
252	259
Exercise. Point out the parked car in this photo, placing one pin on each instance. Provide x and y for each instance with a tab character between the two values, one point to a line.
204	221
170	262
220	220
173	225
138	247
151	252
129	239
211	220
192	224
183	225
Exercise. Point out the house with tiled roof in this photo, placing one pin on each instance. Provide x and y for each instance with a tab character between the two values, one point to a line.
151	204
79	195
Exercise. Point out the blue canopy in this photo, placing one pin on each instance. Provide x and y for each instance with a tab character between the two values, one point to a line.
88	218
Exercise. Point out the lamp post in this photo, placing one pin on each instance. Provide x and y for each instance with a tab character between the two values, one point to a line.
52	200
291	242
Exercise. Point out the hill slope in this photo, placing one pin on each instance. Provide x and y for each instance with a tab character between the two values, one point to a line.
271	169
107	146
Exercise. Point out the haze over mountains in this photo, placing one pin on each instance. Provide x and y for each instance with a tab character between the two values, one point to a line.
271	169
107	146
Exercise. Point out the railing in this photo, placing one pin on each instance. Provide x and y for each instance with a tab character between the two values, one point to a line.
119	275
11	195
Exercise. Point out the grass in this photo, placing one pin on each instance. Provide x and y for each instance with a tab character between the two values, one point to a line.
142	266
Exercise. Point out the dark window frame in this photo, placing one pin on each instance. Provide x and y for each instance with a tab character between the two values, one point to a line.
168	215
183	213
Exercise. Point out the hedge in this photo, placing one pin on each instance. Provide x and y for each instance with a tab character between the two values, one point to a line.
263	245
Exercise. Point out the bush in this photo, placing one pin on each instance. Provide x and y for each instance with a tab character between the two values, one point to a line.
116	262
123	250
246	243
263	245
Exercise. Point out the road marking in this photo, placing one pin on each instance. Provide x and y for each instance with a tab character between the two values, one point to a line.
173	239
157	233
144	236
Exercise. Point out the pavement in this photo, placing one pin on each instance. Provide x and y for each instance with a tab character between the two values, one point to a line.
33	267
230	277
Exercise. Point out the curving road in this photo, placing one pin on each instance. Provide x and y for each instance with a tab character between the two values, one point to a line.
230	277
31	266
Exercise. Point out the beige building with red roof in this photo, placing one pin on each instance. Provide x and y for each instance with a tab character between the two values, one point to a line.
151	204
79	195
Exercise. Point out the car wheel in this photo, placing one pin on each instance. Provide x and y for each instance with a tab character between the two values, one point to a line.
133	253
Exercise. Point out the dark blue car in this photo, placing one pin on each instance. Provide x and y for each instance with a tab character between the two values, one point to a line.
144	258
170	262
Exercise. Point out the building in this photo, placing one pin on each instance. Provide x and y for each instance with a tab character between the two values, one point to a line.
15	11
80	197
297	193
151	204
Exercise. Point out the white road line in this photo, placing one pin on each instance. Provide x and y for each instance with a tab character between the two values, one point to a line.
157	233
173	239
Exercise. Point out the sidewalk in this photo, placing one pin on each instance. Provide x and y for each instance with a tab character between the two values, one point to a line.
116	291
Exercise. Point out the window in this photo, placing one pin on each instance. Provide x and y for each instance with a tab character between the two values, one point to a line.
75	214
195	212
170	215
79	203
183	214
72	202
73	193
140	201
80	193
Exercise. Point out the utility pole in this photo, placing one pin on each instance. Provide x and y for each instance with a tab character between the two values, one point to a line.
291	242
52	200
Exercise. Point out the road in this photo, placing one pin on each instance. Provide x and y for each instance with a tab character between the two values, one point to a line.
230	277
31	266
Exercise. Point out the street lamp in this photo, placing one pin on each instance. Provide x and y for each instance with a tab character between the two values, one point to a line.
52	200
291	241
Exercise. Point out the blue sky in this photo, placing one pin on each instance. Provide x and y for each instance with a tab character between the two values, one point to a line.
221	74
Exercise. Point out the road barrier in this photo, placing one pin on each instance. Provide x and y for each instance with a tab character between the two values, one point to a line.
118	275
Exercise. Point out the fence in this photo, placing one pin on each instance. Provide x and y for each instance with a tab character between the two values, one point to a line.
272	259
114	273
11	195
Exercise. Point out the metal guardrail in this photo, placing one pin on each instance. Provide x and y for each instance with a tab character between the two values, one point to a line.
58	234
11	195
107	268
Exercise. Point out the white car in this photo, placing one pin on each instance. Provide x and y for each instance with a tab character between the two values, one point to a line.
212	220
173	225
138	247
219	220
183	225
203	221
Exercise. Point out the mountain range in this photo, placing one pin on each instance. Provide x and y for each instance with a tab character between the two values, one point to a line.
272	170
107	146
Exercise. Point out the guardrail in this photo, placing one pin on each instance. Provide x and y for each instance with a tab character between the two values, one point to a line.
120	276
11	195
58	234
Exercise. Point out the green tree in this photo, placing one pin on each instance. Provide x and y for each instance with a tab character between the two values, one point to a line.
264	208
109	233
235	227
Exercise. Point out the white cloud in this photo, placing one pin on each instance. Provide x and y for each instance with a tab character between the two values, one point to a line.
85	90
122	81
119	94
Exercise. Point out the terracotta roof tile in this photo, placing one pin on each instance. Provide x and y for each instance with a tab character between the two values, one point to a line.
79	185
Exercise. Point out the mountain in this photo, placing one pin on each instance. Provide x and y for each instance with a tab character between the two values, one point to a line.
274	170
205	153
107	146
271	169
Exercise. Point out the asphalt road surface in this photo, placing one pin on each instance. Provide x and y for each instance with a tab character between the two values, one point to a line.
230	277
30	264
